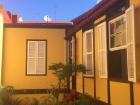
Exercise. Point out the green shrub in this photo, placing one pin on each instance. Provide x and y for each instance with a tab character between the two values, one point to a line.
6	96
85	99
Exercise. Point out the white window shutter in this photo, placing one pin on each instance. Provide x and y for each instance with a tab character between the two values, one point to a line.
131	61
36	57
42	49
31	61
31	66
32	49
40	64
40	68
102	50
88	52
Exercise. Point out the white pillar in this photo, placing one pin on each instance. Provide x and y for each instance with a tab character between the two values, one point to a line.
1	46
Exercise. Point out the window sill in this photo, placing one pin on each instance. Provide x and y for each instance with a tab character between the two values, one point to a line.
118	48
119	80
36	74
88	76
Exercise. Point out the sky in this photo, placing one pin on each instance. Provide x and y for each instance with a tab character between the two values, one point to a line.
58	10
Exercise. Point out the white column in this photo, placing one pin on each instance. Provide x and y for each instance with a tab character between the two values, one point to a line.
1	46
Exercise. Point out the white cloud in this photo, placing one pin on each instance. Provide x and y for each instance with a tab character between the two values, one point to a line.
98	1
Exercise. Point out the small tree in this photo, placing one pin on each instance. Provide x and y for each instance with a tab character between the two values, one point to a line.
64	72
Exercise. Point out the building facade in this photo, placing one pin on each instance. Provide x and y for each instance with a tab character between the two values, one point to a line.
105	39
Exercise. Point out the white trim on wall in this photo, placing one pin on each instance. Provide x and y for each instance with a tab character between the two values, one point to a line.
1	46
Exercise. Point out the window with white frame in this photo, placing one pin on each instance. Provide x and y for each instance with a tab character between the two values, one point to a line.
117	36
36	57
88	52
122	62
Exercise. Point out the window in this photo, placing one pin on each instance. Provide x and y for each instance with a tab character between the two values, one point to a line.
88	52
118	65
117	48
36	57
102	50
117	34
122	62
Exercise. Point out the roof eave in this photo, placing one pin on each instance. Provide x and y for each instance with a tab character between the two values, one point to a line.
92	14
39	25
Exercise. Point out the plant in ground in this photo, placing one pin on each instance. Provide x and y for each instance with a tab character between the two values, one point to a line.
85	99
81	99
6	98
63	73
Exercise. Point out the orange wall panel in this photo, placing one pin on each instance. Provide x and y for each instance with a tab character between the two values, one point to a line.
120	93
14	58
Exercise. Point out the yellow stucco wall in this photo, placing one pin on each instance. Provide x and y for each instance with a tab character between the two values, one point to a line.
136	3
79	47
79	79
100	19
14	61
89	86
101	84
120	93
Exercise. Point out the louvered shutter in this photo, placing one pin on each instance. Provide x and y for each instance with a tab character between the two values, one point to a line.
31	58
102	50
84	50
36	57
131	61
40	64
88	52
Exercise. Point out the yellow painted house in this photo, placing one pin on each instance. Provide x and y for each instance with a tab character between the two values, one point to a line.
105	39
